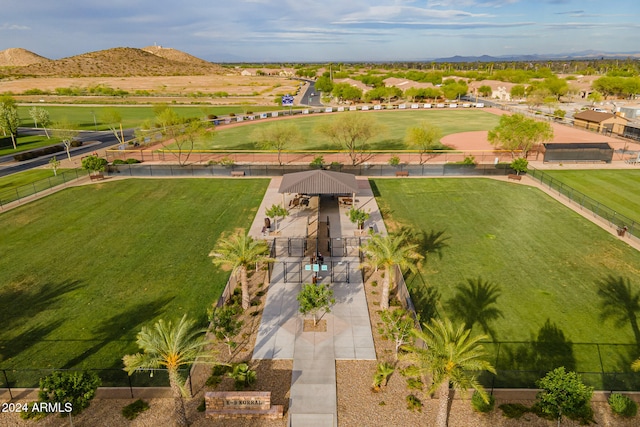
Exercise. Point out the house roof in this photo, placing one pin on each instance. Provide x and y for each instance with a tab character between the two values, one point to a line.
593	116
318	181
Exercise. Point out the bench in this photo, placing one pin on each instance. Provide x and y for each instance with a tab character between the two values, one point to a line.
237	173
402	173
96	177
514	177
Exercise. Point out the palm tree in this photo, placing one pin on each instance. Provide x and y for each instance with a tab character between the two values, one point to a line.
237	253
449	356
388	252
170	346
476	302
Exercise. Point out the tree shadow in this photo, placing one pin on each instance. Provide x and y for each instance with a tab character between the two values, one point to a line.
475	302
521	365
23	299
620	302
119	327
431	242
15	346
426	300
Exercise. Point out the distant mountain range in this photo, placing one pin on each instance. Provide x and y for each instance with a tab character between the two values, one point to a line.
583	55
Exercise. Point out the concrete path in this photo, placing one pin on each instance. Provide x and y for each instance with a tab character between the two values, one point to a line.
313	395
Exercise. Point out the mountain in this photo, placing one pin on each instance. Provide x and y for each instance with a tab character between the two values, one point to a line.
122	62
18	57
587	54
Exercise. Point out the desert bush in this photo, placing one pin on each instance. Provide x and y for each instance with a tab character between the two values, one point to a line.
413	403
480	405
622	405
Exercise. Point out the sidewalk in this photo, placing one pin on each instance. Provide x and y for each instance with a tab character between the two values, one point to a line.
348	336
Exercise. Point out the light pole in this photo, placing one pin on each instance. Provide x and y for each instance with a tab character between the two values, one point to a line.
95	124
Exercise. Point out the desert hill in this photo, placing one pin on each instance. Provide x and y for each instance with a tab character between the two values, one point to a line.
18	57
120	62
175	55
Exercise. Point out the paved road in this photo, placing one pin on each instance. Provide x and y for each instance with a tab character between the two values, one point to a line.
105	139
311	97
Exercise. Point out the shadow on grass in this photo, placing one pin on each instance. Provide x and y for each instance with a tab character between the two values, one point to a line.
475	302
620	302
119	327
429	242
20	301
522	364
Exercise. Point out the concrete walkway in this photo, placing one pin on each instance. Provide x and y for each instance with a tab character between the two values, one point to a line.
348	336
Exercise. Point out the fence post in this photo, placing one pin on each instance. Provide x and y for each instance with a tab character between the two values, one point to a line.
6	379
130	385
601	365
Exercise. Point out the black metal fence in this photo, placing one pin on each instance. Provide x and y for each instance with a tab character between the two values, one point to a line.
29	190
11	379
606	367
144	170
625	226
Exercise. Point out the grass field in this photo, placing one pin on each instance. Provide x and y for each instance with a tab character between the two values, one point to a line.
25	183
82	270
394	123
83	116
616	189
545	258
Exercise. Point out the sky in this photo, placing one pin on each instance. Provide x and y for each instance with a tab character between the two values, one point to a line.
323	30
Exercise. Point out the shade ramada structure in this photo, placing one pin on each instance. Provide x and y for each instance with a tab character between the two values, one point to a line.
318	182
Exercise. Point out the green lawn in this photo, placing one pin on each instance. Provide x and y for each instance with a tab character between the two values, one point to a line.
616	189
545	258
83	116
25	143
25	183
82	270
395	124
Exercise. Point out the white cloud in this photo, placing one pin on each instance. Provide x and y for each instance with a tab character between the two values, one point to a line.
13	27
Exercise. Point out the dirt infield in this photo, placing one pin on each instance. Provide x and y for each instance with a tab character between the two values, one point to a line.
562	133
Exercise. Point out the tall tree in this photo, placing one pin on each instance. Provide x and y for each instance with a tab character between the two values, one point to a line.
238	252
184	137
40	116
425	137
351	131
450	356
113	119
170	346
388	252
278	136
9	119
519	133
64	131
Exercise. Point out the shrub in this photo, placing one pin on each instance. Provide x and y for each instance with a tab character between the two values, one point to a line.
383	372
242	376
413	403
134	409
317	163
217	373
513	410
394	161
37	153
480	405
622	405
76	143
119	162
414	383
202	406
469	160
132	161
74	388
32	415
